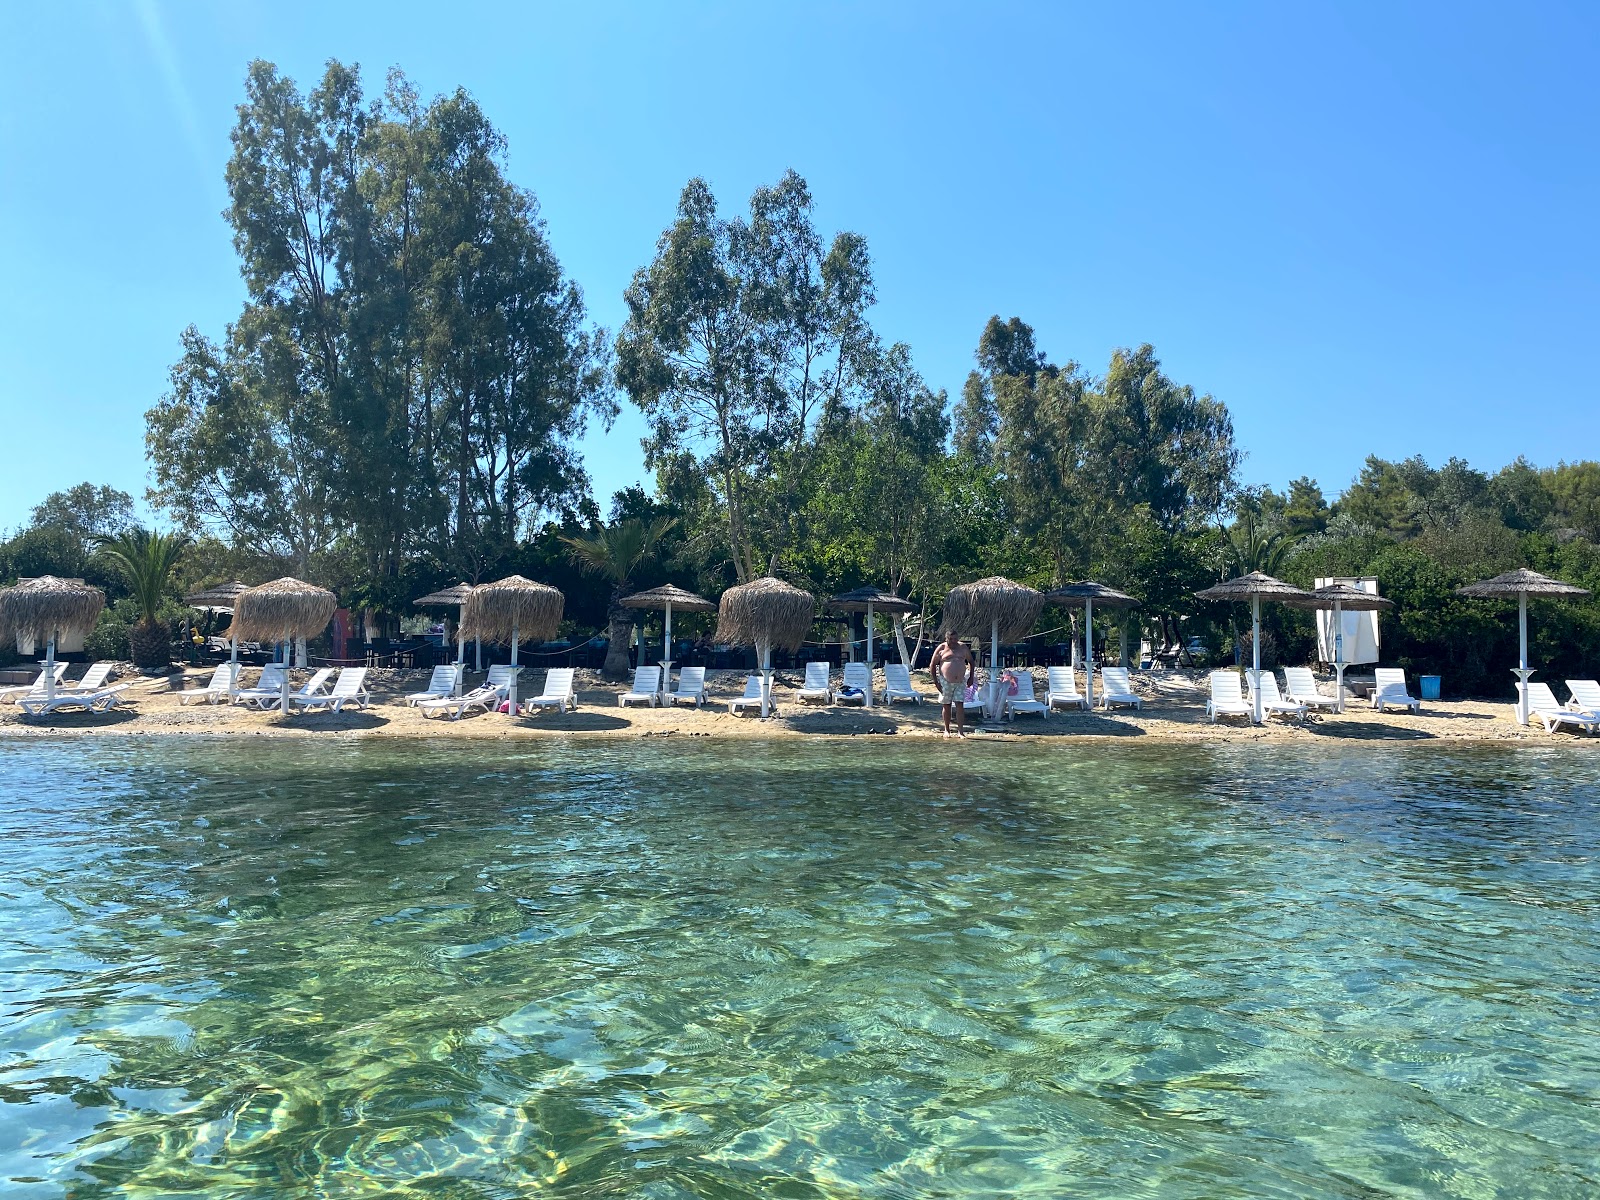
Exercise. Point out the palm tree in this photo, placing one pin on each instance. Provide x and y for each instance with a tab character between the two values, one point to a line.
614	553
146	558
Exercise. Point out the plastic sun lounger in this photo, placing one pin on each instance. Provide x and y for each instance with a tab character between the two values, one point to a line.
1061	687
36	688
501	675
1116	688
94	679
1227	698
270	684
265	700
349	688
221	683
691	687
751	697
897	684
1389	688
1025	701
1585	696
100	701
485	697
1301	686
1274	705
558	693
858	676
1542	704
818	685
646	686
441	686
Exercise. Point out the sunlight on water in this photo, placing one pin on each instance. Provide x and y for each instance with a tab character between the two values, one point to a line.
818	970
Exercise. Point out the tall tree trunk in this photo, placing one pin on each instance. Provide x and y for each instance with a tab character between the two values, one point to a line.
619	624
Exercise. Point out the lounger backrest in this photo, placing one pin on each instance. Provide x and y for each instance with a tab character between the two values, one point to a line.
557	683
1024	686
691	681
1269	688
271	677
817	677
1226	688
350	681
500	675
857	675
1116	679
221	678
96	676
1541	698
1063	681
443	680
1586	692
314	684
897	676
1389	679
646	680
1300	681
752	688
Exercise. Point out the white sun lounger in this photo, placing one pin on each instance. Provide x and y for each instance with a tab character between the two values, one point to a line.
691	687
264	698
349	688
1272	702
441	686
486	697
1585	696
219	687
1389	689
897	684
1025	701
1116	687
558	691
501	675
1300	685
270	684
1227	697
100	701
858	676
1062	688
94	679
818	685
1542	704
646	686
751	697
36	687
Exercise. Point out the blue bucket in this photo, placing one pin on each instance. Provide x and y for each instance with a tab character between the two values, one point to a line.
1430	686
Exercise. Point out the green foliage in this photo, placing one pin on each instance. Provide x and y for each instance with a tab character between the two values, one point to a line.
147	560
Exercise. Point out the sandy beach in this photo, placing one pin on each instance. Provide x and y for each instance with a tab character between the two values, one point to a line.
1174	710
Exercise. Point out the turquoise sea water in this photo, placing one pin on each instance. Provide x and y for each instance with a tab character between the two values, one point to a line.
844	969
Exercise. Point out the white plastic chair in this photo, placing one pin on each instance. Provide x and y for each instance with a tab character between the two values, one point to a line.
1116	688
558	691
1062	688
751	697
349	688
485	697
94	679
99	701
1300	685
1542	704
646	686
1389	689
1273	703
897	684
219	687
818	683
1025	701
1227	697
441	686
691	687
36	688
859	676
269	685
1585	696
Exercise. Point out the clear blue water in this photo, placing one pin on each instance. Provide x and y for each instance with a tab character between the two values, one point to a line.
843	969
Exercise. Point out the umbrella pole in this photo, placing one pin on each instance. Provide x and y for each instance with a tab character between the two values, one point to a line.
869	653
665	685
511	694
1522	658
283	692
1338	656
1255	656
50	667
1088	650
994	670
461	654
766	679
233	674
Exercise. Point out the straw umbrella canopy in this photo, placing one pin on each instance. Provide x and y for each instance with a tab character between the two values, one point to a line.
766	613
667	597
1089	593
1342	598
222	597
998	607
1256	587
283	611
511	609
452	597
44	608
1521	583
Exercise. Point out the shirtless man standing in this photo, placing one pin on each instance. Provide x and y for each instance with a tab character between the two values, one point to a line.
953	670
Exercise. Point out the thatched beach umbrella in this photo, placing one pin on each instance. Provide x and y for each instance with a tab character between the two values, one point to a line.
666	597
766	613
222	597
453	597
1521	583
509	610
1341	597
868	600
1089	593
43	609
1004	610
282	611
1256	587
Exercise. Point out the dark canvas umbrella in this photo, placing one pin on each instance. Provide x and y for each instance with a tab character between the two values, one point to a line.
223	597
1256	587
1341	597
868	599
1521	583
666	597
1089	593
452	597
996	606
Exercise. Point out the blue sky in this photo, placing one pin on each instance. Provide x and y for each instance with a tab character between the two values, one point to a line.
1366	228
